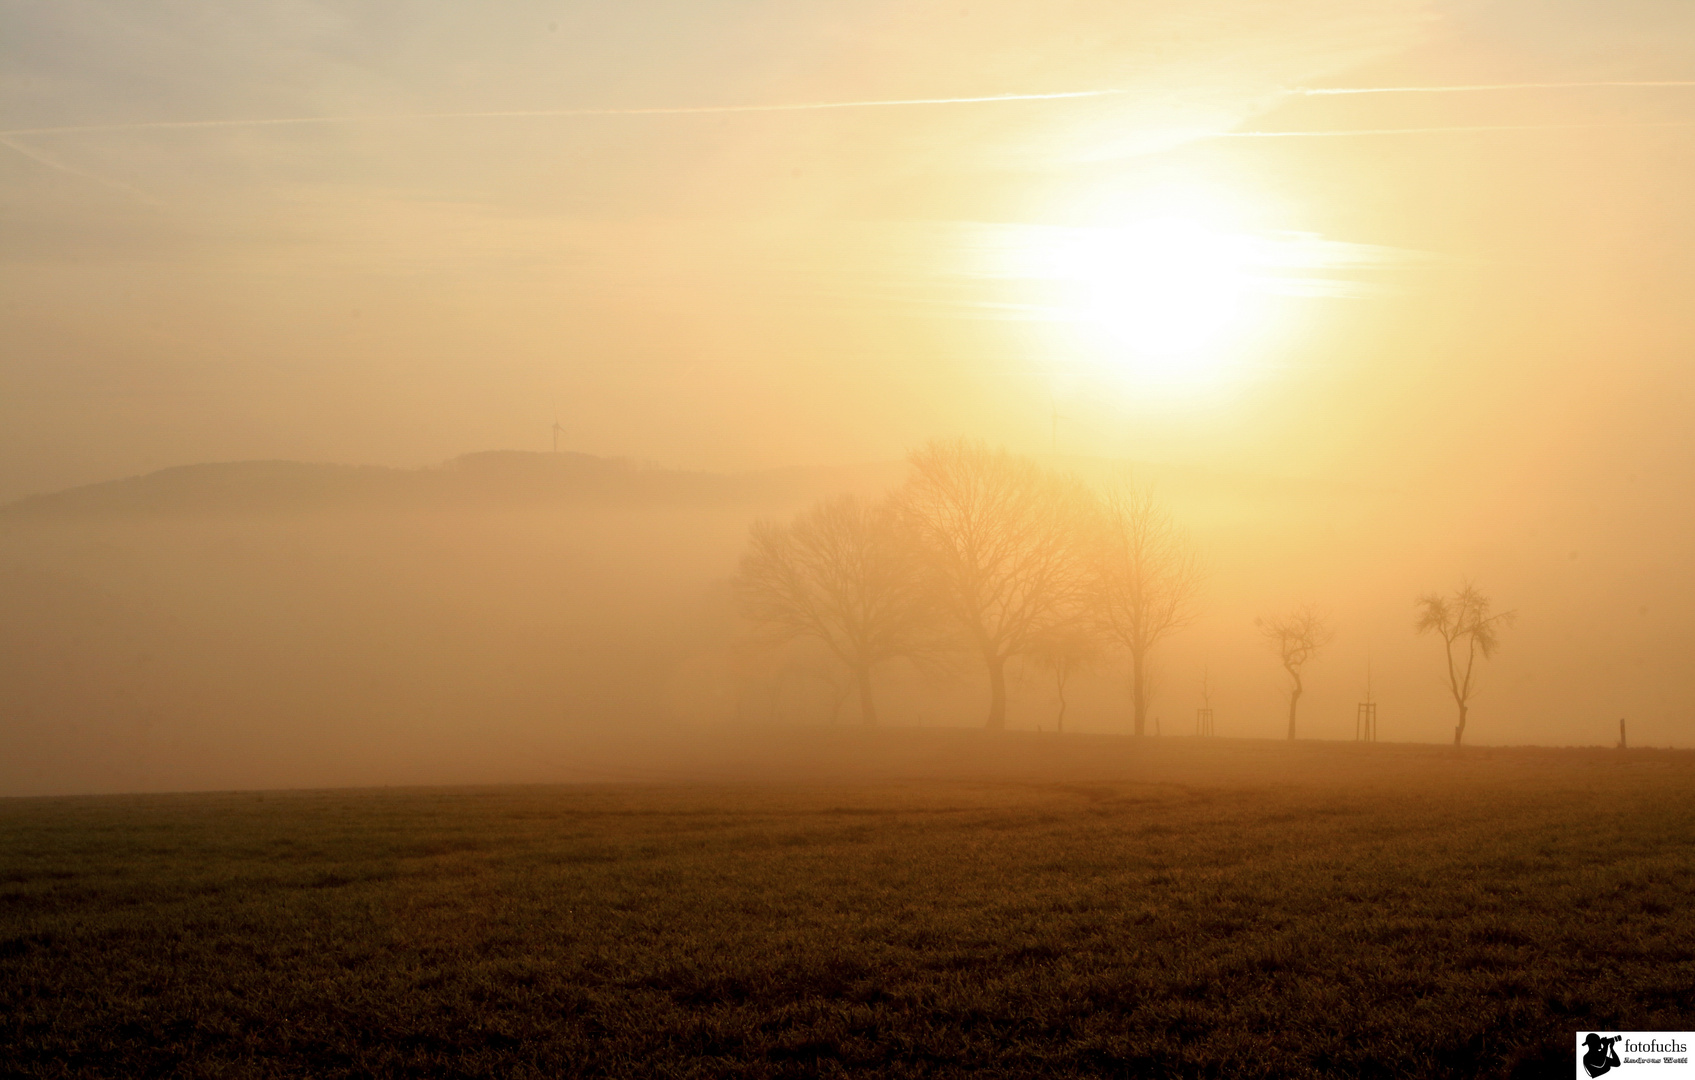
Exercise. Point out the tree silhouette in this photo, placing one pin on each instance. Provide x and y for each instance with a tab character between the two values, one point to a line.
1462	618
1146	575
997	536
840	573
1297	637
1065	650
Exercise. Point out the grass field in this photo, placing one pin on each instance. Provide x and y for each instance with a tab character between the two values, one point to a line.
974	906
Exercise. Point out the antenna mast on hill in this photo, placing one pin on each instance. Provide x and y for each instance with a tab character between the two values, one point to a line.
556	430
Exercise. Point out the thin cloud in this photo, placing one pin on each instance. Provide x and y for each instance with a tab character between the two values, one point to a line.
681	110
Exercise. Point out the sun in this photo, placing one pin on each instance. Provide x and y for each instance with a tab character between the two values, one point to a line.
1166	291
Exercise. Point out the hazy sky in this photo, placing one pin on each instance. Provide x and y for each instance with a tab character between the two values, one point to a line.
1386	293
406	270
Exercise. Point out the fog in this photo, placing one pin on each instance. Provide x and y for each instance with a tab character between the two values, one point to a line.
387	391
541	617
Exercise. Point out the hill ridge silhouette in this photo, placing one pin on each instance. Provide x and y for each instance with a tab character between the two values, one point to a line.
488	479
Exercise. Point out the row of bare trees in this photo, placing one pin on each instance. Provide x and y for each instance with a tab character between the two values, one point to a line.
981	551
984	552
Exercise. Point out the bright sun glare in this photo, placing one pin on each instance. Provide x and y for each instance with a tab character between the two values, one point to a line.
1167	288
1167	291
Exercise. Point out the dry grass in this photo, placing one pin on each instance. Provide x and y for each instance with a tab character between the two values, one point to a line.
1079	908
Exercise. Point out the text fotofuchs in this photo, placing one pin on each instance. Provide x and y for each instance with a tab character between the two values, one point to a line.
1660	1053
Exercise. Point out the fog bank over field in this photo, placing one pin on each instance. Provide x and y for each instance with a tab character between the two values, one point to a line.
537	617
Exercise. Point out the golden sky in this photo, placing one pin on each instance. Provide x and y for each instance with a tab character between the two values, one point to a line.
755	233
1384	294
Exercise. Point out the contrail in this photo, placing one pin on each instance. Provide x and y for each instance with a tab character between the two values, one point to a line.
1467	88
52	162
813	106
676	110
1342	132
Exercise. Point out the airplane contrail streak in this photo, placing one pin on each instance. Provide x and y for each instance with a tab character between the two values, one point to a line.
818	106
677	110
52	162
1342	132
1468	88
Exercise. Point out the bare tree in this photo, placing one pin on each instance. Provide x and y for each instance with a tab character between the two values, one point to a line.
1462	620
1065	650
1297	637
1146	575
998	538
840	573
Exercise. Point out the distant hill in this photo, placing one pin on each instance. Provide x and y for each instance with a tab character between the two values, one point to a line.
516	478
508	478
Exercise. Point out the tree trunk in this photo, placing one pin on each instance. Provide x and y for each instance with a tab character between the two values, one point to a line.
1138	693
867	707
1061	677
1294	700
997	694
1459	728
